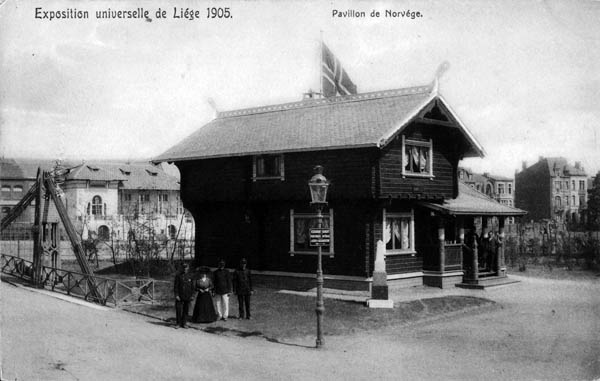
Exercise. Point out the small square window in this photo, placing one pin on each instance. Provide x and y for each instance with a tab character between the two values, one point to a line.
268	167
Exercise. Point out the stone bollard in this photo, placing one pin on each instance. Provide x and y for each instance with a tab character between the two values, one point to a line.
379	287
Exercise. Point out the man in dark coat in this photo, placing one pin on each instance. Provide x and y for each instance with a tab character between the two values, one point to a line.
222	283
183	287
242	287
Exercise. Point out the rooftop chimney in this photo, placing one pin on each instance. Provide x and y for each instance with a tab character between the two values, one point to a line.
540	158
524	165
578	164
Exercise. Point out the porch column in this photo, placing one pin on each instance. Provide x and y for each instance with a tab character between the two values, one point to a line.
485	243
475	263
501	266
442	240
461	237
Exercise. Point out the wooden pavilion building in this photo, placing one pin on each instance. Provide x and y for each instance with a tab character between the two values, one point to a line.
392	159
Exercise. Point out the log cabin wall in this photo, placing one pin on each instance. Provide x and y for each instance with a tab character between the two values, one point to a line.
238	217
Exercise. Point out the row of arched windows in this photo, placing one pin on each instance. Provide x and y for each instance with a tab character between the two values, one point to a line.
104	232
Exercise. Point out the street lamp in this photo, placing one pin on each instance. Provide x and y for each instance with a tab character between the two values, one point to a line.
318	185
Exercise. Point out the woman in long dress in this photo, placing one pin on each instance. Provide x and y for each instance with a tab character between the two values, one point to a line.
204	310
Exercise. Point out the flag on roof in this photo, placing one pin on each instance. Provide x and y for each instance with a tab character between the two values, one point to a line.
334	78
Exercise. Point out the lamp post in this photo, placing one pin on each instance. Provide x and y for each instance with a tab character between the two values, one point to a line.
318	185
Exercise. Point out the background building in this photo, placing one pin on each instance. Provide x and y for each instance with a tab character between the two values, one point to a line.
107	199
500	188
552	189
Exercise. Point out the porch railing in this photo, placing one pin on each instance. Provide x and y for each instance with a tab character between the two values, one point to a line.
111	291
453	257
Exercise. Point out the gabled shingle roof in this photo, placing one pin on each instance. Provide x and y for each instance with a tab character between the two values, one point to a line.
353	121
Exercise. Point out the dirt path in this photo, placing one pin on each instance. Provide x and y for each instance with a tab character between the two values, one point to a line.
545	330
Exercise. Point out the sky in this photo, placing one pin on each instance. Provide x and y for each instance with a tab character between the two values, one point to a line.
524	76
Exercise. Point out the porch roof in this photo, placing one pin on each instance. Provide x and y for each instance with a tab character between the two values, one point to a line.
471	202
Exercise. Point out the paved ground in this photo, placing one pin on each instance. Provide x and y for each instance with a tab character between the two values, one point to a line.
541	330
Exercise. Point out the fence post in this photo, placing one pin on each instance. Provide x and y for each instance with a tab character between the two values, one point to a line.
500	255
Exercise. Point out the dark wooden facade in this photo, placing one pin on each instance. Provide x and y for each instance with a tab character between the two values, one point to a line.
238	217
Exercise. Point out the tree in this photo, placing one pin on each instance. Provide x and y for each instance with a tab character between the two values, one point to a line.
593	205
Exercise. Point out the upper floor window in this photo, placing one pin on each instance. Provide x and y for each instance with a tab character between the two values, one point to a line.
500	188
573	184
398	232
557	185
417	157
127	196
567	184
557	202
509	188
97	206
268	167
163	203
145	197
581	184
488	190
17	192
574	200
5	192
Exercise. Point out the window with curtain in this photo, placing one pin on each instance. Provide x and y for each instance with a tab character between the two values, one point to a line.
398	232
300	225
416	157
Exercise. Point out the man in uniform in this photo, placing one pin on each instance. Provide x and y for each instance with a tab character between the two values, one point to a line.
242	287
184	291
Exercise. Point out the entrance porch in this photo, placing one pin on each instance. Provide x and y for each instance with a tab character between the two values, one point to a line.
469	248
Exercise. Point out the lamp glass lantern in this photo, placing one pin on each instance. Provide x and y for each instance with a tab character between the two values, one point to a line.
318	186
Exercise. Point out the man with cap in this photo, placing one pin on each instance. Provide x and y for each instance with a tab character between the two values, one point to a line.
184	290
222	282
242	287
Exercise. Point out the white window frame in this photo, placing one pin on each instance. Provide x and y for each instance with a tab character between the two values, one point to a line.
509	187
411	251
329	215
501	188
427	144
281	175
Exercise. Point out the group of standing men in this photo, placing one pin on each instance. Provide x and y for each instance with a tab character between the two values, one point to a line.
222	284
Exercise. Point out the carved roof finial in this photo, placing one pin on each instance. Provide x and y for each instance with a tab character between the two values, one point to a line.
444	66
